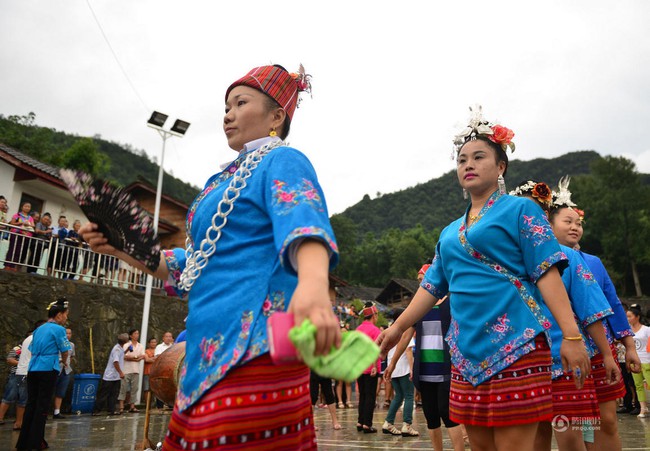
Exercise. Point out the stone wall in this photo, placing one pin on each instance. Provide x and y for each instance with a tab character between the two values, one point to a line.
107	311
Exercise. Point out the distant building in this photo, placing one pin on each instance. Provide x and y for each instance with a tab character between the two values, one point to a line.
23	178
398	292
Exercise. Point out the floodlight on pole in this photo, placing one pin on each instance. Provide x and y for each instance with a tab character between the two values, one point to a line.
156	121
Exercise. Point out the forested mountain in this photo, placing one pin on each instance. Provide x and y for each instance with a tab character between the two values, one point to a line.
117	162
436	203
392	235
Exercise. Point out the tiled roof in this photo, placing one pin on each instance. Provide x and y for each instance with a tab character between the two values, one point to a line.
32	162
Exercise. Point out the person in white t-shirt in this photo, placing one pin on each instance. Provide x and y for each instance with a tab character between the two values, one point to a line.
133	354
167	342
113	374
641	335
21	375
400	379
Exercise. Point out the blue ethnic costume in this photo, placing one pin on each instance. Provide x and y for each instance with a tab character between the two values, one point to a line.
589	306
49	340
587	302
230	393
617	327
489	269
251	275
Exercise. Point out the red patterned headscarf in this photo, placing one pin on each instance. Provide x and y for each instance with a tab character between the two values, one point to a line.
369	311
277	83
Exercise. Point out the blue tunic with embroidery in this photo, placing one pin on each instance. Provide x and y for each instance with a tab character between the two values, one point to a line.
251	274
490	269
618	324
587	302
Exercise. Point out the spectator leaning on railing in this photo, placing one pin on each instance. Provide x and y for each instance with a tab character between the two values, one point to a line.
3	212
23	227
40	242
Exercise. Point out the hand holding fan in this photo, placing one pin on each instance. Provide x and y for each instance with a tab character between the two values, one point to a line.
119	217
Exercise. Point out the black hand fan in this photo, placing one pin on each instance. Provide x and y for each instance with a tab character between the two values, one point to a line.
119	217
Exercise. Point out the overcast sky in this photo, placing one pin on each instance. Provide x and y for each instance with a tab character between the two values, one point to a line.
392	81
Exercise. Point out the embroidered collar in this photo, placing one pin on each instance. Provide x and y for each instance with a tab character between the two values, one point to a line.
491	200
251	145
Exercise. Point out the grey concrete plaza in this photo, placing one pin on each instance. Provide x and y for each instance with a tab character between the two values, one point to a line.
125	432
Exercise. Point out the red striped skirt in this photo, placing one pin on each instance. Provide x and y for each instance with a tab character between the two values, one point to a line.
519	394
604	391
256	406
573	403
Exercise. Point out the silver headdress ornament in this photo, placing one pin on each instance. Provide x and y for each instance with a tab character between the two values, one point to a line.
562	197
477	126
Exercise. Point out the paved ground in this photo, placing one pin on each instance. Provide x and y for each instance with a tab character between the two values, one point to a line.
85	432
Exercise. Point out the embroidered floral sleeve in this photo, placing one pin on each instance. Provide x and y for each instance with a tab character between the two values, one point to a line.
286	197
546	264
537	230
296	206
295	237
583	272
596	317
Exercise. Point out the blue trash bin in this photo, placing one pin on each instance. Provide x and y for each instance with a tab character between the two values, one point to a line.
84	392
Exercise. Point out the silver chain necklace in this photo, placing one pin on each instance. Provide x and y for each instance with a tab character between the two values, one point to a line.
197	260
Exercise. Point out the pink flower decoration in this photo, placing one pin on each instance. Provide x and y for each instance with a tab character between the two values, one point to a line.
286	197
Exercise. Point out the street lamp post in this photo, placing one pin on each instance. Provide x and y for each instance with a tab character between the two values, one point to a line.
156	121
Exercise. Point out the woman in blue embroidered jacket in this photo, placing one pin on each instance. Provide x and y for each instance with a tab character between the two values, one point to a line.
273	254
591	311
567	222
494	262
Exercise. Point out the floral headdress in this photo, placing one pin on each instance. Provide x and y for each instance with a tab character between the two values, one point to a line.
562	197
303	80
540	191
477	126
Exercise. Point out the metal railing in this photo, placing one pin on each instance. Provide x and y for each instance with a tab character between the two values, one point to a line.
67	259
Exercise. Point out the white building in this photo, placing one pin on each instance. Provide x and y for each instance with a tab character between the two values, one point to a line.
22	178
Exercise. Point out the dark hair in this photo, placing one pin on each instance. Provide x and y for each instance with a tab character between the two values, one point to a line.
635	309
271	105
528	193
555	210
151	339
133	330
56	307
37	324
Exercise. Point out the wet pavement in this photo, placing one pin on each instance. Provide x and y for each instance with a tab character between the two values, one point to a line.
126	432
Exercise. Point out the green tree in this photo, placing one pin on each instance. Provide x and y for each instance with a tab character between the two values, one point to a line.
616	207
84	155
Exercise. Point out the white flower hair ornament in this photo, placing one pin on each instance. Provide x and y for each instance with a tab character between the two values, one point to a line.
562	197
477	126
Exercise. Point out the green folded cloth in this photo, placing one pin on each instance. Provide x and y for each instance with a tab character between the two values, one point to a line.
356	354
